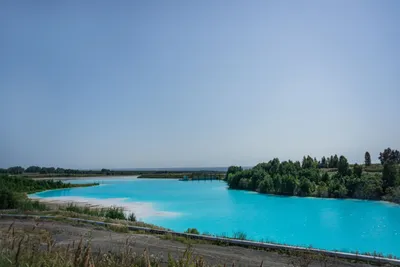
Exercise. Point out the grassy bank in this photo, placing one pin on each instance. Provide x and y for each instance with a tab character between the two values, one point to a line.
14	190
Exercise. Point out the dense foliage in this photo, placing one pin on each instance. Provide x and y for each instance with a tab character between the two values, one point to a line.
26	185
12	189
311	178
367	159
110	212
389	156
7	199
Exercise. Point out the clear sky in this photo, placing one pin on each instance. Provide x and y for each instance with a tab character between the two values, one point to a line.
121	84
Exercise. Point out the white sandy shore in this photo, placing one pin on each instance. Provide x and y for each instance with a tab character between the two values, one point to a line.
142	210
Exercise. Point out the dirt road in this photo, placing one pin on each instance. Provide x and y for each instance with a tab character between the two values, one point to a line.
106	240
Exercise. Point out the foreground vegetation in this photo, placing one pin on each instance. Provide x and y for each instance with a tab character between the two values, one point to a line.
315	178
38	248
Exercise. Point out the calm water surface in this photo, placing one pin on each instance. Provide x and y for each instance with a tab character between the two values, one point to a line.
345	225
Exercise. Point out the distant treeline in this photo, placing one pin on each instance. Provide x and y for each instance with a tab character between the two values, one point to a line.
61	171
192	175
313	178
36	171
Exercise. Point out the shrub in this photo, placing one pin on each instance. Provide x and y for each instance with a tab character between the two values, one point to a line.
393	194
192	231
110	213
239	235
132	217
27	204
115	213
8	200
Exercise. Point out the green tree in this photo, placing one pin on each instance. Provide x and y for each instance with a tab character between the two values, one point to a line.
367	157
357	170
343	166
277	180
256	178
393	194
368	187
389	176
233	180
33	169
7	199
15	170
266	185
325	178
244	184
232	170
389	156
307	163
337	190
322	190
306	187
289	184
323	163
275	163
335	161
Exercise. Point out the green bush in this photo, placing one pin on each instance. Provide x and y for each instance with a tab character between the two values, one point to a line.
192	231
31	205
132	217
115	213
239	235
26	185
110	213
393	194
8	199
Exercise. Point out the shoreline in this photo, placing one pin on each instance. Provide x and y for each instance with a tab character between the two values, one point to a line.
142	210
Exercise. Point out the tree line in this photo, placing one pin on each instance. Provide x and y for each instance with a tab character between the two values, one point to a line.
329	177
13	189
47	170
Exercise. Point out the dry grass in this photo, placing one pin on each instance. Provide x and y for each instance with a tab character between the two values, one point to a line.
38	248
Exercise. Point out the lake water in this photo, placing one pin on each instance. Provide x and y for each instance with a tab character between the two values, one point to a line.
344	225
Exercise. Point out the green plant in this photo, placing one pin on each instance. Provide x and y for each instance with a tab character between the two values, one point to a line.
192	231
115	213
8	199
239	235
132	217
110	213
31	205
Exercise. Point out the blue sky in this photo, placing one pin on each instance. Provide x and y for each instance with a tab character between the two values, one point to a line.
122	84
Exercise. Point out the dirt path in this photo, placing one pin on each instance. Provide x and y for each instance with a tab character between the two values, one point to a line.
105	240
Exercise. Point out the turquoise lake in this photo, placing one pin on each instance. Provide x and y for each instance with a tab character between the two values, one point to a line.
344	225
